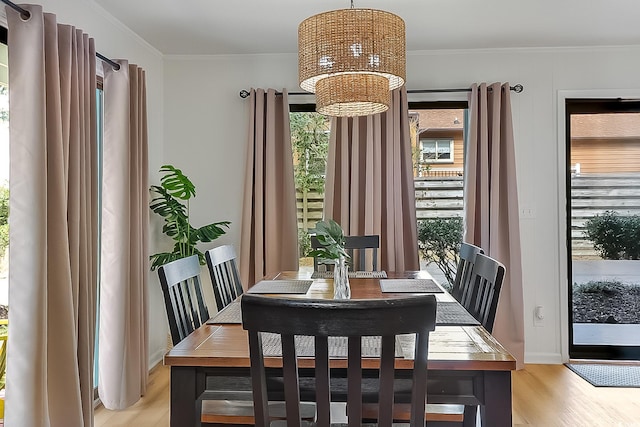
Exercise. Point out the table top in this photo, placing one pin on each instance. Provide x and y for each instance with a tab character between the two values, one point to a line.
450	347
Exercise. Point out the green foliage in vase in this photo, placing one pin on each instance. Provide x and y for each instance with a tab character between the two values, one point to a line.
171	202
331	237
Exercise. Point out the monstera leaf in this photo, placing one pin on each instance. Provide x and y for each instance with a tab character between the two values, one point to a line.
174	189
176	183
331	237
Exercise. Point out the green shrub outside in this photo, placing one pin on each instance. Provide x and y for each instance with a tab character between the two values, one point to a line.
439	242
304	243
606	287
614	236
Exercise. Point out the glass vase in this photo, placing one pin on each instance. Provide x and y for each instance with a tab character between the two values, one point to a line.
341	288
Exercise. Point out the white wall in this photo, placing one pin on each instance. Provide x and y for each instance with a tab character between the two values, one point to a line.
206	135
115	40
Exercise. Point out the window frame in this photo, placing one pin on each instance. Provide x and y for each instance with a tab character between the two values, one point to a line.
436	141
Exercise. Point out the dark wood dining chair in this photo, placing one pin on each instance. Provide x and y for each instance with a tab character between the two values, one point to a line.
187	311
223	269
486	282
480	280
183	298
480	298
462	282
356	247
335	318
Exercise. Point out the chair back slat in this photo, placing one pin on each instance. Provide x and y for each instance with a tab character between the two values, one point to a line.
183	298
330	318
487	277
223	269
362	250
462	283
419	388
290	377
385	406
354	381
323	392
181	311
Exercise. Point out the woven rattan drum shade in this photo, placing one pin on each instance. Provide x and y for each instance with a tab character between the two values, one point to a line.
344	55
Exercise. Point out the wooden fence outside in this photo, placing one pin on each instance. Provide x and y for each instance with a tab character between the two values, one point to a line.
441	197
594	194
309	205
436	197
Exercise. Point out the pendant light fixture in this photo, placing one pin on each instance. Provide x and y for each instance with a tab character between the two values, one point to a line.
351	59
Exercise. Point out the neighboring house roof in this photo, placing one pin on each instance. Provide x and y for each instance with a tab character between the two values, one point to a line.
440	119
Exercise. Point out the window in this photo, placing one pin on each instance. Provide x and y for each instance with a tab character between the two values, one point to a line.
437	139
4	203
310	144
437	150
99	129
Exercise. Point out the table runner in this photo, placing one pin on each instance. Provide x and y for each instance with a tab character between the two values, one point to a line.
352	274
409	285
448	314
230	314
451	313
272	347
281	287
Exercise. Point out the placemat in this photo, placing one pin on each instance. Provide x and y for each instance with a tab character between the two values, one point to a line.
305	346
407	345
451	313
230	314
281	287
351	274
409	285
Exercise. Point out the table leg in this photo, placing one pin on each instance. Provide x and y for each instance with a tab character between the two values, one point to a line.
496	411
183	396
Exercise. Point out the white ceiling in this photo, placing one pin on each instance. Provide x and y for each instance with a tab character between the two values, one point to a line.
212	27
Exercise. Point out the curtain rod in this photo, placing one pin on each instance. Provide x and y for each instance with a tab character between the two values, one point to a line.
517	89
25	14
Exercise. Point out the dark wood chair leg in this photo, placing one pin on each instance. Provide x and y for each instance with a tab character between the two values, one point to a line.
470	414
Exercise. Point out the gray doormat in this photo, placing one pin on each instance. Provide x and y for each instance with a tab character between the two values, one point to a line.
603	375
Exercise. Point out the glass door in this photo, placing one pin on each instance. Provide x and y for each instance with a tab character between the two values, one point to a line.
603	228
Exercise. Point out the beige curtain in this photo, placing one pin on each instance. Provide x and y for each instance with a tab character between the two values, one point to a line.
369	187
491	203
124	263
53	222
269	225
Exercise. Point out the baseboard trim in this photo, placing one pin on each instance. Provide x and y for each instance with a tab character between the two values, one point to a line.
543	358
156	357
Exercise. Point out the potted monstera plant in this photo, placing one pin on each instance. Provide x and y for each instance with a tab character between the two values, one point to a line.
171	202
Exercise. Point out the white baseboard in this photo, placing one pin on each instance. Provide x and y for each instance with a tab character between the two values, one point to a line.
156	357
543	358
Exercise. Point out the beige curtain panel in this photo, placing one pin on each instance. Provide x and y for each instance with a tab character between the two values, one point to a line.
491	203
369	187
53	222
269	224
124	261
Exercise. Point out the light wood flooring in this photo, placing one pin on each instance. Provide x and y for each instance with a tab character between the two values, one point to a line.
543	395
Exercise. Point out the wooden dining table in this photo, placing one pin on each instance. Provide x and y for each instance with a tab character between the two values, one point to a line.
467	365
